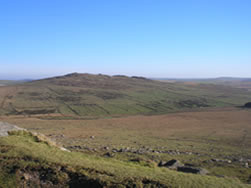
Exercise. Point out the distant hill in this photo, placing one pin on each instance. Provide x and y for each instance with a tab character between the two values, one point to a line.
7	82
101	95
219	79
244	83
12	82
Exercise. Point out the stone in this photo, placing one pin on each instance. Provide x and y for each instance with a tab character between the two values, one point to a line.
172	164
108	154
114	150
64	149
247	105
194	170
216	160
106	148
246	165
161	163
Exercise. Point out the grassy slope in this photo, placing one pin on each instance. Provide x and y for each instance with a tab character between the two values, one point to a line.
100	95
23	154
215	134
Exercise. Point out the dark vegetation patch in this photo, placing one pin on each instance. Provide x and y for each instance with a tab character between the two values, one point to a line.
150	183
60	176
30	172
109	95
20	93
69	98
105	95
5	148
56	176
193	170
89	81
34	94
120	76
139	77
33	111
30	94
192	103
42	174
247	105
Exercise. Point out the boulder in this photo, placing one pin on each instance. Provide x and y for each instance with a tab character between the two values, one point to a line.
246	165
194	170
108	154
172	164
106	148
247	105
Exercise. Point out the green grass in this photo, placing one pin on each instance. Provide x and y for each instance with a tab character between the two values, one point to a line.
110	172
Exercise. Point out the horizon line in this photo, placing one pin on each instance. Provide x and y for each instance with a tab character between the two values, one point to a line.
150	77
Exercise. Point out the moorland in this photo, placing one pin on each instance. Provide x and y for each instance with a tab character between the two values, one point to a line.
121	131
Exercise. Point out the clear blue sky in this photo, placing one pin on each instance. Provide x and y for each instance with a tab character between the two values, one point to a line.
154	38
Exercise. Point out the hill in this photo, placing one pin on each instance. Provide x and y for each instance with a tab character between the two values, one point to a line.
11	82
243	83
101	95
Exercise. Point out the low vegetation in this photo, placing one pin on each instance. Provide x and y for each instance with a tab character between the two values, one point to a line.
26	161
116	131
220	144
85	95
247	105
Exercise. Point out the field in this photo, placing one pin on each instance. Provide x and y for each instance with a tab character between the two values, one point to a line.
216	139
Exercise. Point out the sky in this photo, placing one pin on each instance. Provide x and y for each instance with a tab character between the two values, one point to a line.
152	38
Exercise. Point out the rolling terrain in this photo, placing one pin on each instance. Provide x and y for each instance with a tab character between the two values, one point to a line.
217	139
122	131
11	82
86	95
31	160
242	83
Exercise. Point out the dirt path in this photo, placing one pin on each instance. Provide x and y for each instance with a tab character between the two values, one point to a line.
5	127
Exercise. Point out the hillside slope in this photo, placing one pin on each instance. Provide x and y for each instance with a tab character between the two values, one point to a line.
27	161
101	95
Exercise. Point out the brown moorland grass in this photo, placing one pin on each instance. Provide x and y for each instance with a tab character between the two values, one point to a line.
230	125
214	134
